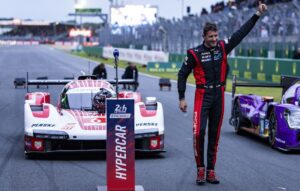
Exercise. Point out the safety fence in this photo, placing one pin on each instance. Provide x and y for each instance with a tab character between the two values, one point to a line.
249	69
163	66
260	69
131	55
14	42
252	50
137	56
245	68
281	50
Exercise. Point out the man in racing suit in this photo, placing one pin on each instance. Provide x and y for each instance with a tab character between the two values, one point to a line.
209	64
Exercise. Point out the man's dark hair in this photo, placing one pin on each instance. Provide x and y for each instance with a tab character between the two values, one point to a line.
209	27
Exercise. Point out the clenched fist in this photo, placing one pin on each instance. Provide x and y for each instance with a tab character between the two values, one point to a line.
261	9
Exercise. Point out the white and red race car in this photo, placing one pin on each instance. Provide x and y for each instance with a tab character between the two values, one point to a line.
78	122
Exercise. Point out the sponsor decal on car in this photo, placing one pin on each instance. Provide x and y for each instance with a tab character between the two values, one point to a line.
279	140
88	120
69	126
146	124
42	125
38	144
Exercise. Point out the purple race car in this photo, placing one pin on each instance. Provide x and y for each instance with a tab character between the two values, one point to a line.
260	115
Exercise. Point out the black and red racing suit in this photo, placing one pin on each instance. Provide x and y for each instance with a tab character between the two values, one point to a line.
210	70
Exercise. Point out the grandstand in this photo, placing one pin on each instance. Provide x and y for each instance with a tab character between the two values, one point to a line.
28	30
278	32
16	31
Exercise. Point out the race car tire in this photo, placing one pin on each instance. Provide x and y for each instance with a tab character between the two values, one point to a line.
272	128
237	117
28	156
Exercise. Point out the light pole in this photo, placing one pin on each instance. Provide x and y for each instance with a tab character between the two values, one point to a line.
111	3
164	38
182	8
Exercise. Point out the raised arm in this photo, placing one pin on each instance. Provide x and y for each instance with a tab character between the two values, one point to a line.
238	36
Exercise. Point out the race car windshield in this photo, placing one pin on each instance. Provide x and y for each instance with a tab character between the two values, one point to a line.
80	101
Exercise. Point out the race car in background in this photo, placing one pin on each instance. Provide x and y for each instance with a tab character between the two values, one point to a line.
78	122
260	115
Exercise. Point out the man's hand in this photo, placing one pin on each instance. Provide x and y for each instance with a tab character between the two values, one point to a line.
261	9
182	105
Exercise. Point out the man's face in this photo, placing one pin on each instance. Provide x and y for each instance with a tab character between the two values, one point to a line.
211	39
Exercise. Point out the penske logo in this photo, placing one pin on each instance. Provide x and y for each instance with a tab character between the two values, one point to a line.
42	125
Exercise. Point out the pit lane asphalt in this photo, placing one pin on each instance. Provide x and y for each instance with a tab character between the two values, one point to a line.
244	162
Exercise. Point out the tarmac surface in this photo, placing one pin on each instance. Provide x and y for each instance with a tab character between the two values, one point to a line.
244	162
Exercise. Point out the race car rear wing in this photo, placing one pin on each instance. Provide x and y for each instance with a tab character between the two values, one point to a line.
131	82
114	82
43	81
46	82
123	81
246	84
111	81
285	83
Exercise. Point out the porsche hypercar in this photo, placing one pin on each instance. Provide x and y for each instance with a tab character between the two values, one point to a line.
78	121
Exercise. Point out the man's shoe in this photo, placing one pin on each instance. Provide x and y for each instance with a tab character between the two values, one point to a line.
200	175
211	177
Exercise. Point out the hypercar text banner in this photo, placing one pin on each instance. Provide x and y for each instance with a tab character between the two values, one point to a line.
120	146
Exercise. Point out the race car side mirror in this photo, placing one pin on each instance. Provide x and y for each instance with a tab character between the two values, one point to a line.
59	108
297	95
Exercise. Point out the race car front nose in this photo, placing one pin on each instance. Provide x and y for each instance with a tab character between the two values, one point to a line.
37	142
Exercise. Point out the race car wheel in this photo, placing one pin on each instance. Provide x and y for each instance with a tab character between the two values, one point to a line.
237	117
272	128
29	156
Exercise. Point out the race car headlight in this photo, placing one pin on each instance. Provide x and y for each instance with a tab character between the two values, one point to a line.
293	119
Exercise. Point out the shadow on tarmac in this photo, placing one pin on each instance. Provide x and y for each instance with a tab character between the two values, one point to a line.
259	140
90	156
